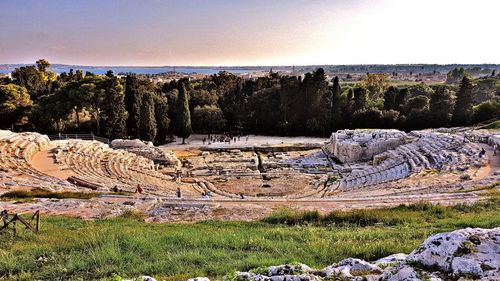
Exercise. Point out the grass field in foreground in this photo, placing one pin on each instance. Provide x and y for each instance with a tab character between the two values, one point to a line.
73	249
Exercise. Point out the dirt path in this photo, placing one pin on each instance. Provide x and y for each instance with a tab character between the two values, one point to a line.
168	209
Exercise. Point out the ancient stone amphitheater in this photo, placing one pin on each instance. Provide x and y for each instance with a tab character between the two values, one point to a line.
354	169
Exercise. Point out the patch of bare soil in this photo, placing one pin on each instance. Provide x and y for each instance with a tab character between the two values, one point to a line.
43	161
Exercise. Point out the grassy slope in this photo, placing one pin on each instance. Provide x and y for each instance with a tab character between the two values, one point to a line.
74	249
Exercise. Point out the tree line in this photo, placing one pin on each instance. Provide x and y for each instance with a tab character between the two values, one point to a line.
133	107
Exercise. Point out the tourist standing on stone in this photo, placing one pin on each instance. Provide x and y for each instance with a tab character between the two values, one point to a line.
178	192
138	189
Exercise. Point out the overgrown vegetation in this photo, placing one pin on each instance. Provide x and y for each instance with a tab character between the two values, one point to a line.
70	248
42	193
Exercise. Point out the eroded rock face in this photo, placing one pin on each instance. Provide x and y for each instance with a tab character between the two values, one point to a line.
465	253
361	145
405	272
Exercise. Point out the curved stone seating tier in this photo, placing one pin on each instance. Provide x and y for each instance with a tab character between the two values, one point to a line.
16	150
427	151
96	163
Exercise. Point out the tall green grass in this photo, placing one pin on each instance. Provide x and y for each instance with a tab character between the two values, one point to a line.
73	249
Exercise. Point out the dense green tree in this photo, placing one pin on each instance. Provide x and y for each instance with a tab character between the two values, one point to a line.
389	119
360	98
390	98
376	84
417	112
401	99
462	113
487	110
172	101
418	103
264	114
208	119
133	99
202	97
368	118
441	107
31	79
15	103
114	112
161	117
419	90
42	65
183	120
456	75
49	114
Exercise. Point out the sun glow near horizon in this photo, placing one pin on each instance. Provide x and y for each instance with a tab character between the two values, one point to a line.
256	32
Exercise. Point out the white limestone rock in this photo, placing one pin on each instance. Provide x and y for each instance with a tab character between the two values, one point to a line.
404	272
288	269
351	267
142	278
199	279
392	259
465	252
243	276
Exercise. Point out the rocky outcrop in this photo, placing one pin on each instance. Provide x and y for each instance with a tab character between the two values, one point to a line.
466	254
472	252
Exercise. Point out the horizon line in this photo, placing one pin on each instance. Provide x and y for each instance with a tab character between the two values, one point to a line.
278	65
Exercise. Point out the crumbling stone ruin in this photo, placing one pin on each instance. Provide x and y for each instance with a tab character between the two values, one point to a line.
351	146
385	160
404	155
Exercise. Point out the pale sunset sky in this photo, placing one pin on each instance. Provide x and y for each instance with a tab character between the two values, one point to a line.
250	32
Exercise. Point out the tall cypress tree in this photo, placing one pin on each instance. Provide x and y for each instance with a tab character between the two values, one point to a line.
336	106
183	120
115	115
147	122
133	105
463	106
